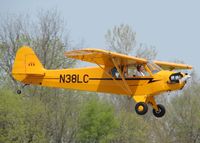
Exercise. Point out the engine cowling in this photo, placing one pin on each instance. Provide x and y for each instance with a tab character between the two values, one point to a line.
175	77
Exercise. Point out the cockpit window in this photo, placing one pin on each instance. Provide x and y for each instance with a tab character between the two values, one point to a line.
153	67
129	71
134	70
114	72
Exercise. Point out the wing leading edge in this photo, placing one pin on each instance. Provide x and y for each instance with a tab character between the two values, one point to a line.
172	66
103	57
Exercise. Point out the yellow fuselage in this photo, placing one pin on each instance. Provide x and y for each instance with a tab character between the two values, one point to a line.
98	80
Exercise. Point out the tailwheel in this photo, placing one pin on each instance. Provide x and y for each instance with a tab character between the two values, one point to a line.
161	111
141	108
19	91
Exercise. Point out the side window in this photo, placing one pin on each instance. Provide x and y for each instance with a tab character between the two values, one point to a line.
114	72
153	67
137	70
131	71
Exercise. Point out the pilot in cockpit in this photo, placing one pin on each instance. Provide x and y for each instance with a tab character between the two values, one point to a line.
140	70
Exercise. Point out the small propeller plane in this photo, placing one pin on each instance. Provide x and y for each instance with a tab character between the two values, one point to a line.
115	73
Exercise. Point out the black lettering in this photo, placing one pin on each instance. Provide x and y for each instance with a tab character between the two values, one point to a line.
68	78
62	78
78	79
85	78
73	78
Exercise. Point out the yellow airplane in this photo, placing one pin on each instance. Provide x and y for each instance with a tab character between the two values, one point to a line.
115	73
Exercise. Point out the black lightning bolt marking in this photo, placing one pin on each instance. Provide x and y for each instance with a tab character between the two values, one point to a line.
150	80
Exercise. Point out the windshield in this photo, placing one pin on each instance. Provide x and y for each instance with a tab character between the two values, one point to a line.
153	67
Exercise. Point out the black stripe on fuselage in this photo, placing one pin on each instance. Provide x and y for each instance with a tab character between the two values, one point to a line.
121	78
150	80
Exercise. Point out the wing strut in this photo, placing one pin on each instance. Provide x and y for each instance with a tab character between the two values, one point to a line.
113	79
122	76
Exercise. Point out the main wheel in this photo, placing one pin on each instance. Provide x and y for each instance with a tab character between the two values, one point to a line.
141	108
160	112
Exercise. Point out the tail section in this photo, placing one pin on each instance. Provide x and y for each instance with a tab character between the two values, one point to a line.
26	63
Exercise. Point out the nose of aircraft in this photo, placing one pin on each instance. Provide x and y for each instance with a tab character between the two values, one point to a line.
184	78
179	77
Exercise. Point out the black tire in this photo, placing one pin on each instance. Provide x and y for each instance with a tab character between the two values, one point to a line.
161	111
139	111
19	91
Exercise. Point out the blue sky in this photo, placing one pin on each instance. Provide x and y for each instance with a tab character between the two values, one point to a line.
172	26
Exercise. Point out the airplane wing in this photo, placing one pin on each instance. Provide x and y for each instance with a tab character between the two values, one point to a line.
172	66
103	57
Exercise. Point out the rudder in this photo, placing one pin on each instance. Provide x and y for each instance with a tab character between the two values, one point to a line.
27	63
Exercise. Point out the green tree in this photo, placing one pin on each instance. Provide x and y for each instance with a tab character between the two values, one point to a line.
22	118
132	128
97	122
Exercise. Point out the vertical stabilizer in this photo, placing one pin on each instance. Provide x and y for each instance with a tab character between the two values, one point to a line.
26	63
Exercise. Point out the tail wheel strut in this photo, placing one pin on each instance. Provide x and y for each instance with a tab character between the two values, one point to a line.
19	91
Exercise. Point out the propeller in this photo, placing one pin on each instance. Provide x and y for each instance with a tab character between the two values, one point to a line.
185	78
